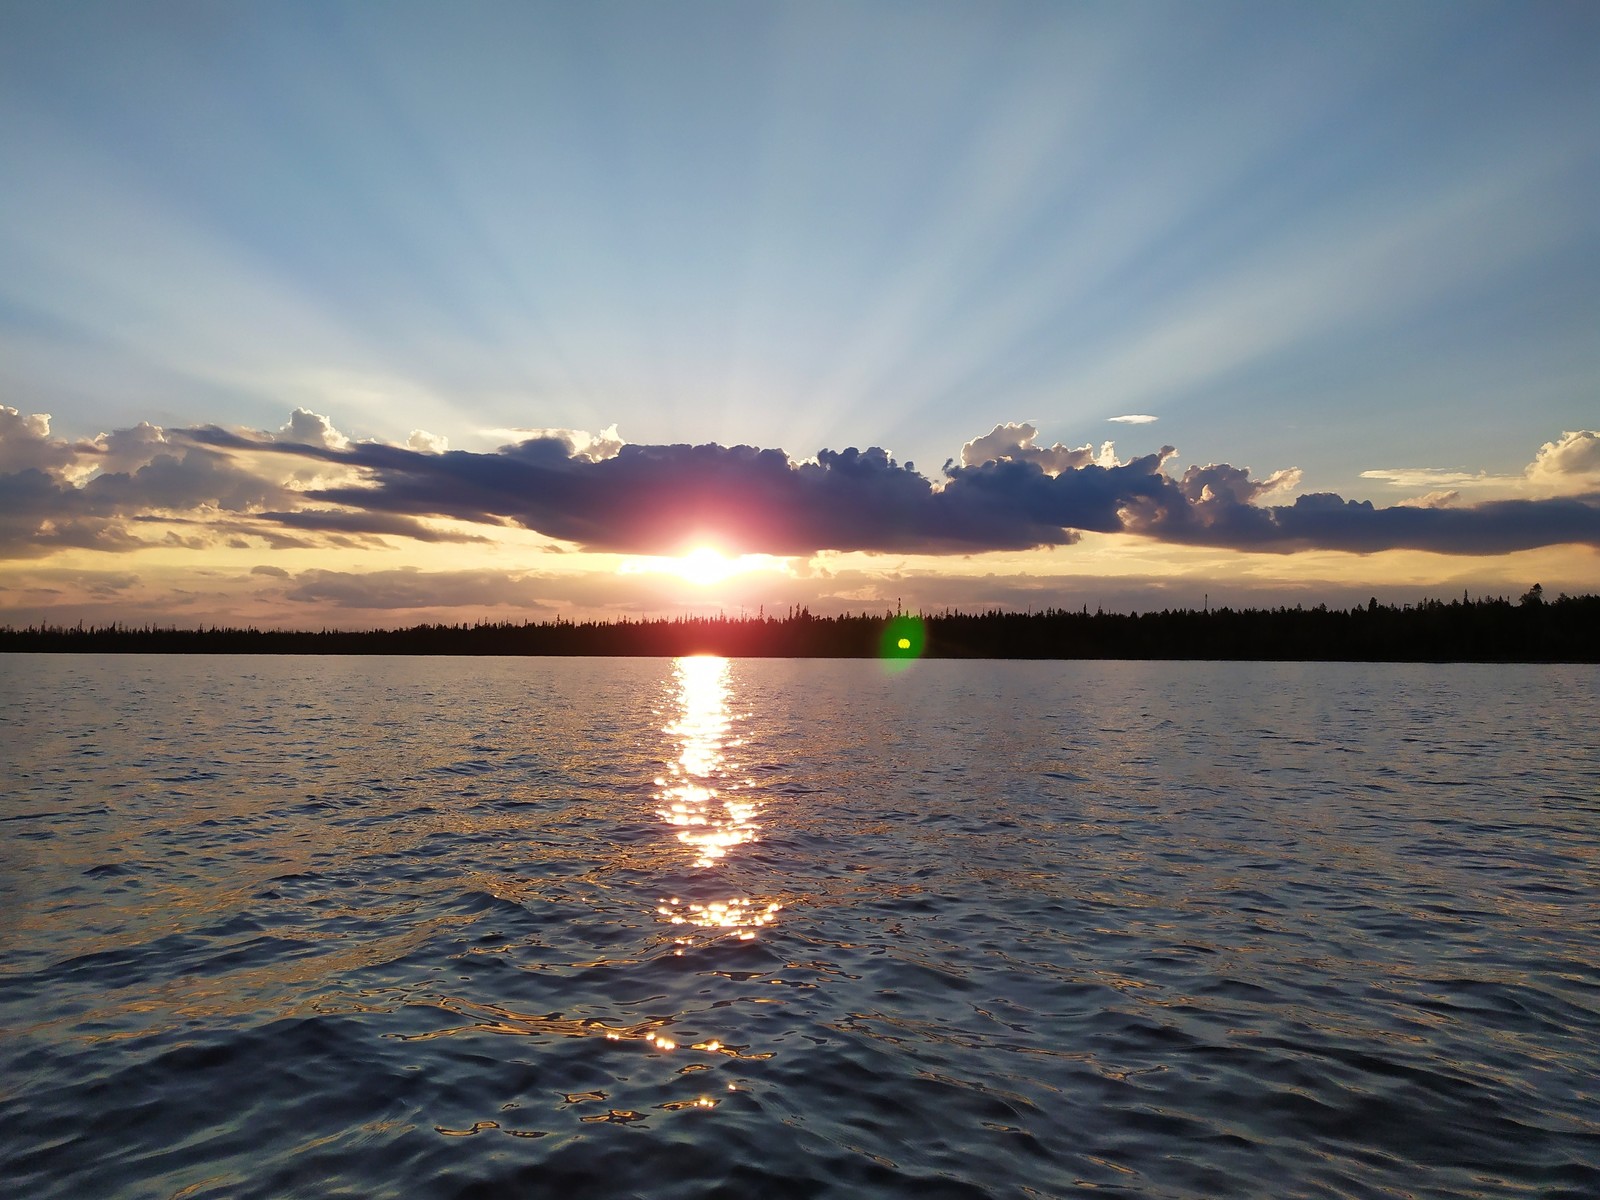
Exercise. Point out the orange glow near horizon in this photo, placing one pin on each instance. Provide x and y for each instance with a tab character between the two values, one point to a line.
704	565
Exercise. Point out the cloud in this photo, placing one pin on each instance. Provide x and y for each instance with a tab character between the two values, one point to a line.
269	569
41	511
1568	466
125	450
1438	477
1329	522
101	493
1134	419
1210	484
427	443
1014	442
1439	499
312	429
1008	493
607	443
345	521
409	588
26	444
308	484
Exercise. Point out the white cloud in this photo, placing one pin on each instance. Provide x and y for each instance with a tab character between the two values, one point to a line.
1134	419
580	443
1014	441
427	443
1568	466
1438	477
1219	481
126	450
25	441
312	429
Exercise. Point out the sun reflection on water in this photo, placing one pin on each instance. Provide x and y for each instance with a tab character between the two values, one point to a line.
705	802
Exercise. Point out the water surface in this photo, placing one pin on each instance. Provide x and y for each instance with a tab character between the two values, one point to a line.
526	927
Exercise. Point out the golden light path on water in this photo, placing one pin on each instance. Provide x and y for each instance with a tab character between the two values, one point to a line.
710	810
700	799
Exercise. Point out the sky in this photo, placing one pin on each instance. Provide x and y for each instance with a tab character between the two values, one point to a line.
355	315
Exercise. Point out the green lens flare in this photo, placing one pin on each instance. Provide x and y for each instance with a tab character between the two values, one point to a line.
904	639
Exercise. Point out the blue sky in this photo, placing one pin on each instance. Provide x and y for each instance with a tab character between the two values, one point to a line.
1335	237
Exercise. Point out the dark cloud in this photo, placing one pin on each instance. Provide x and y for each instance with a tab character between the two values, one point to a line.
39	514
40	511
345	521
1006	493
1329	522
657	499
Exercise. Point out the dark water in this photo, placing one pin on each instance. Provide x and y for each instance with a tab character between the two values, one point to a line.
570	928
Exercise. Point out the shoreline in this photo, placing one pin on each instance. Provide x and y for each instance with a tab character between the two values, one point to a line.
1565	630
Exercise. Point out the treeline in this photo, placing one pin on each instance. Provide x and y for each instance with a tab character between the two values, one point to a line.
1533	629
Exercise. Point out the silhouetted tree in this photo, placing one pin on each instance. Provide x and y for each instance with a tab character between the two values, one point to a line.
1566	629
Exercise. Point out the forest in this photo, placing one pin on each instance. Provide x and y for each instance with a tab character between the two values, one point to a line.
1531	629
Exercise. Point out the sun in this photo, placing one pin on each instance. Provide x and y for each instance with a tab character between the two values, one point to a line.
706	565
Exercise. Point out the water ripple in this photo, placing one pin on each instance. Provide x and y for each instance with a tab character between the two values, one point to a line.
401	928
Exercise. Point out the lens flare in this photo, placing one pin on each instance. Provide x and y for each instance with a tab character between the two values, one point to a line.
904	639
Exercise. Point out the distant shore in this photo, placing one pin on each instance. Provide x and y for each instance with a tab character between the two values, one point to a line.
1565	629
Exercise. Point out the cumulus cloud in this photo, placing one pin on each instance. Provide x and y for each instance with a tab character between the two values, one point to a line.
26	444
108	492
579	443
1570	464
1233	485
427	443
1007	492
312	429
124	450
60	497
1014	443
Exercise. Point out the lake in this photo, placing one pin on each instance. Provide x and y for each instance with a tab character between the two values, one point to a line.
427	927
